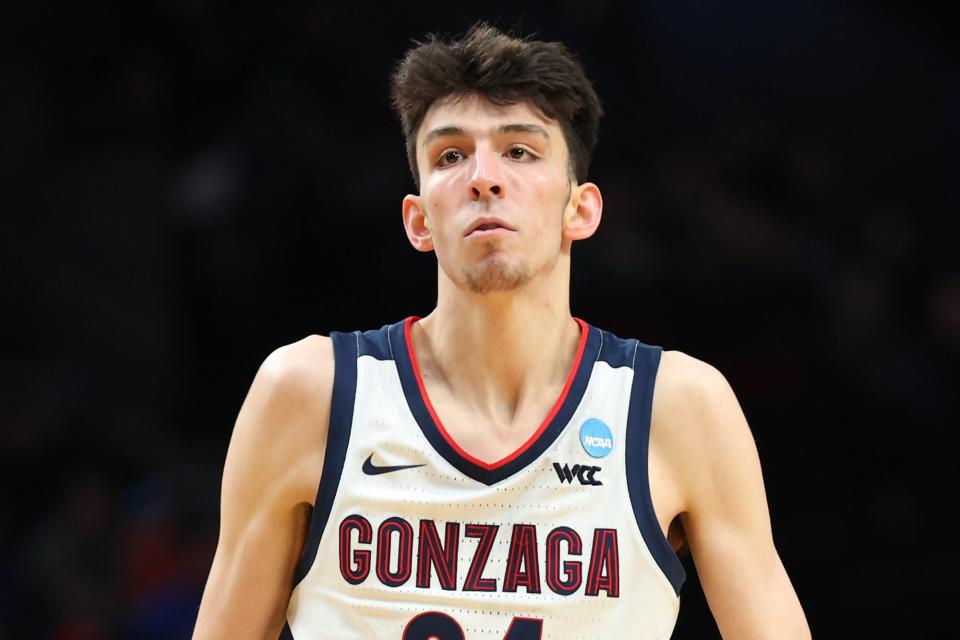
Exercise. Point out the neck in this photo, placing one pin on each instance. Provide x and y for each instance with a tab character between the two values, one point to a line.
496	351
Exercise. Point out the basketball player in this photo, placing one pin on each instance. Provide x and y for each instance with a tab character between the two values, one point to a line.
497	469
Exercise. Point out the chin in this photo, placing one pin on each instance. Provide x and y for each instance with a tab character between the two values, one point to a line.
496	275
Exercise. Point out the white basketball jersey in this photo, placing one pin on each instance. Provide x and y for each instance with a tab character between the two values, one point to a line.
411	538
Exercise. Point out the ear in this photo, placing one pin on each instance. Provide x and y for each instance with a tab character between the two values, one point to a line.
416	224
583	212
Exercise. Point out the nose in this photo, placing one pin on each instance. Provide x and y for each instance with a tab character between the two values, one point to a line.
486	181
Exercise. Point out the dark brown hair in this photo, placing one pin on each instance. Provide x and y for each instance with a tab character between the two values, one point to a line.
504	70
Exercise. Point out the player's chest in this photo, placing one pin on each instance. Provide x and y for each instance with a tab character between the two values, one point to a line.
490	437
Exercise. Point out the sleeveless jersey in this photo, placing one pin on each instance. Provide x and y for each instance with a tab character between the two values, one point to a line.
412	538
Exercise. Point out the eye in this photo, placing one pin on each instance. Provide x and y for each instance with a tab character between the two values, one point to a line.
520	153
449	157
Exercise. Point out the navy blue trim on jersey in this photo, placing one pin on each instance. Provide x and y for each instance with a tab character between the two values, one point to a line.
375	343
646	362
615	351
430	430
345	349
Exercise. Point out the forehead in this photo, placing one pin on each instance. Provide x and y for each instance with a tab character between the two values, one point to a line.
475	113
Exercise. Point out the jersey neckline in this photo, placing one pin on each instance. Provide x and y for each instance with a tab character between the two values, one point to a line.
436	434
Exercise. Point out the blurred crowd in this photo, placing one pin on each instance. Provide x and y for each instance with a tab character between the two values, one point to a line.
191	185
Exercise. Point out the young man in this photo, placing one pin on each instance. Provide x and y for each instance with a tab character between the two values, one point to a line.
497	469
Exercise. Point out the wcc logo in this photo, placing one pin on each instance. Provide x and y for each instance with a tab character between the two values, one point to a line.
584	473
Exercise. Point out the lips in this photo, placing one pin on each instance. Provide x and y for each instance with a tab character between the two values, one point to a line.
486	225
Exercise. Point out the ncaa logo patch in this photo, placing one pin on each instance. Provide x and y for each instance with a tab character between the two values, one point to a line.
596	438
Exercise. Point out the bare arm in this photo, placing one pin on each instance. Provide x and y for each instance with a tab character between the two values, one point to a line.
705	440
270	480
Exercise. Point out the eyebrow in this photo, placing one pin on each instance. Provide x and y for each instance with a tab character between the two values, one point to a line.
524	128
504	128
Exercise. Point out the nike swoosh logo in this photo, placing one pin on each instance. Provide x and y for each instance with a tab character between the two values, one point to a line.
373	470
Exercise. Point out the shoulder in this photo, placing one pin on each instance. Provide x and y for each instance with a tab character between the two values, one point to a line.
281	430
297	371
697	424
686	385
292	389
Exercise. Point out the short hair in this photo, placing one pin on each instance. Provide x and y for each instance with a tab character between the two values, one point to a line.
504	70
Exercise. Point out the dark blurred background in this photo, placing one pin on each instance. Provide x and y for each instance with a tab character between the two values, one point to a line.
189	185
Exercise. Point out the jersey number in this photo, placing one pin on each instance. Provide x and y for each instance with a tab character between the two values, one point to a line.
434	625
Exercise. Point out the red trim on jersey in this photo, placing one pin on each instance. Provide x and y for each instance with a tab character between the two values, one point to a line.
490	466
